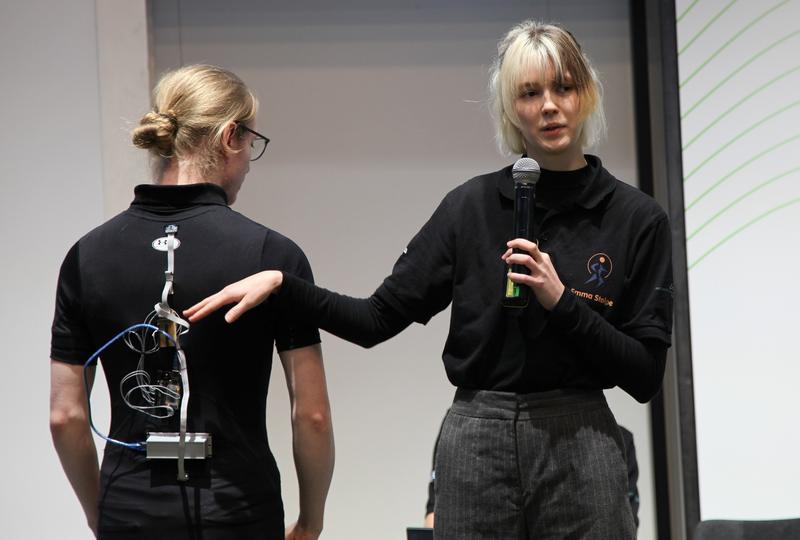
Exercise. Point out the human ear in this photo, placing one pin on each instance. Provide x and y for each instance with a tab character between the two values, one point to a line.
230	139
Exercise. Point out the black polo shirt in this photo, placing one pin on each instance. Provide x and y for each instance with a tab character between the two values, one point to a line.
610	245
111	279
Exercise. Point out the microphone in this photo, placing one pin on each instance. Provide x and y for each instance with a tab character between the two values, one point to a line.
526	173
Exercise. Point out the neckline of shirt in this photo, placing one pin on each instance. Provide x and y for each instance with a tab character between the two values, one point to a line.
585	187
177	197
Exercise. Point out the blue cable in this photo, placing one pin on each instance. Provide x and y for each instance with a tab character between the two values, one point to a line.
139	446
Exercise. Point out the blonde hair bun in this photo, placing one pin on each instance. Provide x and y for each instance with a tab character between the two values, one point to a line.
156	131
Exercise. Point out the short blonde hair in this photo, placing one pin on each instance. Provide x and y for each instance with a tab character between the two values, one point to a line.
191	107
534	46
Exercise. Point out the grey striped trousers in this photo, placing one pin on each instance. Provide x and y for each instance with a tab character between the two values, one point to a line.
547	465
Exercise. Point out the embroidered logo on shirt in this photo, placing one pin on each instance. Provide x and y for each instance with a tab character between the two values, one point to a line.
599	267
608	302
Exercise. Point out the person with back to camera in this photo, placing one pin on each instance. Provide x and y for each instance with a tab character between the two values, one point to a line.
202	137
529	448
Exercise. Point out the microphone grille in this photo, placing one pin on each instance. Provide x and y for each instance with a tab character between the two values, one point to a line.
526	171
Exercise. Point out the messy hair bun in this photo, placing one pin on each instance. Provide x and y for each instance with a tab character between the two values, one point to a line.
157	131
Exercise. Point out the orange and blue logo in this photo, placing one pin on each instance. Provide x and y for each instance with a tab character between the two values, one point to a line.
599	267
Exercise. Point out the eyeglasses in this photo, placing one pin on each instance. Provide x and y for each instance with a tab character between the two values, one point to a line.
258	145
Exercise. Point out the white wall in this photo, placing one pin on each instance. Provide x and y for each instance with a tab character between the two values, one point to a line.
51	189
740	115
376	111
124	65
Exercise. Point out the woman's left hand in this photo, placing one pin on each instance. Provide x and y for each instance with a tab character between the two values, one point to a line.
543	279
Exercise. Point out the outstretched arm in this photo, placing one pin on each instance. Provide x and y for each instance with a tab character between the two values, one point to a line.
312	437
419	287
363	321
69	426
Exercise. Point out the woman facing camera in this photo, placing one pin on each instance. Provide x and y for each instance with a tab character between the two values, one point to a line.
176	243
529	448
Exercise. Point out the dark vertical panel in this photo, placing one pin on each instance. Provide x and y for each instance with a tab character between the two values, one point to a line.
653	35
660	467
644	164
673	160
641	96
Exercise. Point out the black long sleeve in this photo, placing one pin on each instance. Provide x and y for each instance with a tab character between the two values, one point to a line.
636	366
363	321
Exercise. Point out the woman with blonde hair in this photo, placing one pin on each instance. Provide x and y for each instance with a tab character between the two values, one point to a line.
170	384
529	448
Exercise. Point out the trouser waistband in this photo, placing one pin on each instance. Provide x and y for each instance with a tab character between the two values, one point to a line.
510	405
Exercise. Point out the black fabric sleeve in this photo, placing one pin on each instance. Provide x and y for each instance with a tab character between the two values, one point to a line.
635	366
632	352
646	305
363	321
421	282
419	287
291	332
70	340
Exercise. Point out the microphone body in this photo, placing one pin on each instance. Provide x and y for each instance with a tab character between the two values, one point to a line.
526	173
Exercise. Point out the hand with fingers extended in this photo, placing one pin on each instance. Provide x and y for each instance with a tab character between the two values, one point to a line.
543	279
246	293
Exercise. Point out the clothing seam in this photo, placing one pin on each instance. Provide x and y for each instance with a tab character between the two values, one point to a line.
155	217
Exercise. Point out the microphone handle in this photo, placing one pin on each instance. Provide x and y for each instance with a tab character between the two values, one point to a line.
516	295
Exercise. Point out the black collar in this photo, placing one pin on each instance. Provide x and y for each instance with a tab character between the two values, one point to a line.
597	189
176	197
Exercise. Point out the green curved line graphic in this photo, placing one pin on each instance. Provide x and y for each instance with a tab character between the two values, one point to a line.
740	199
742	228
707	25
737	70
744	132
685	11
740	167
736	36
740	102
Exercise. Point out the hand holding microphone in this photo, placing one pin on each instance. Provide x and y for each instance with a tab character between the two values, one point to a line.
526	173
540	274
529	267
